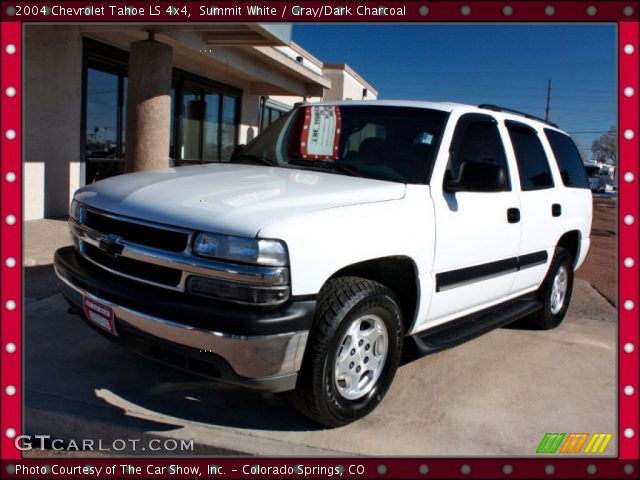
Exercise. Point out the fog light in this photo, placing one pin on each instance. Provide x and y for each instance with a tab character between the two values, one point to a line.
233	292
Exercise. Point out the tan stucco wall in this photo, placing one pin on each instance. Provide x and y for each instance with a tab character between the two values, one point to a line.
52	114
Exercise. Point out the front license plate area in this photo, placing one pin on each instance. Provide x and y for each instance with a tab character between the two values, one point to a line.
99	314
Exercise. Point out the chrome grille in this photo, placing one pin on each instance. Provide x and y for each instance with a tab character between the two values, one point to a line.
159	255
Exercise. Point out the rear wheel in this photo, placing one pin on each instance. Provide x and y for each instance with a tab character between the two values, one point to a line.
353	352
555	291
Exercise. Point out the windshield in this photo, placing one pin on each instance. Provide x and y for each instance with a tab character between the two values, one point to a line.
381	142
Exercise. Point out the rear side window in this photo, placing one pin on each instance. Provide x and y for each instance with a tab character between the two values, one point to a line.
530	157
569	162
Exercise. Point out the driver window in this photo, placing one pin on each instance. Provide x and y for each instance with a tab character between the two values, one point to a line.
476	141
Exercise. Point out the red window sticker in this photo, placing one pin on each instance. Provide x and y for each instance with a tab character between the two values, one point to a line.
320	137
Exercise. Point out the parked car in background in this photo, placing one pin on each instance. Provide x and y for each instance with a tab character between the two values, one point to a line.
340	234
597	179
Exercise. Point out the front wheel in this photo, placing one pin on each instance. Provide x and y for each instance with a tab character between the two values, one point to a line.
555	292
353	352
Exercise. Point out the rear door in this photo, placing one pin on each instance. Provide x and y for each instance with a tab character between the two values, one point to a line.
477	232
541	205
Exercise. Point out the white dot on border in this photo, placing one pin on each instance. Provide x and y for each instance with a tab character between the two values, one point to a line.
629	433
628	49
549	469
628	305
628	347
628	91
10	49
507	469
10	92
628	177
10	347
10	305
423	469
10	262
10	177
424	10
10	134
465	10
628	219
10	390
628	134
628	390
10	219
591	10
592	469
628	262
465	469
507	11
10	432
549	10
628	10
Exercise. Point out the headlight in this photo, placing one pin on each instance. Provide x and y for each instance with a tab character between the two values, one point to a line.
73	210
77	212
239	249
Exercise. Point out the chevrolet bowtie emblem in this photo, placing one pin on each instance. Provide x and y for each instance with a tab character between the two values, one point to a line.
111	245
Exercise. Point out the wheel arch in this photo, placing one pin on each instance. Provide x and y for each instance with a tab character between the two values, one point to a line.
398	273
570	241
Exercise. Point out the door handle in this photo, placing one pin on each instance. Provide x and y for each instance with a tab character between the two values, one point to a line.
556	210
513	215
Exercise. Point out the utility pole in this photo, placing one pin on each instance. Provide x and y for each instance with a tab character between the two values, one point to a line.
547	116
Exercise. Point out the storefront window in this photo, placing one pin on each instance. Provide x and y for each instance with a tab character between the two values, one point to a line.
228	131
204	115
104	132
211	128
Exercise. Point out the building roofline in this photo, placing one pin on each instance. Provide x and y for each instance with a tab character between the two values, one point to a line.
297	48
346	68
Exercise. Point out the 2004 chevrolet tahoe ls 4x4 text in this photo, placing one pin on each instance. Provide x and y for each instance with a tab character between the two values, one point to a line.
342	232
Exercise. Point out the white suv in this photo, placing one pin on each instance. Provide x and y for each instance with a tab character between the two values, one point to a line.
338	235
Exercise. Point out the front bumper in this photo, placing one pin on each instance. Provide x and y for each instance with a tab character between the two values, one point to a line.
234	344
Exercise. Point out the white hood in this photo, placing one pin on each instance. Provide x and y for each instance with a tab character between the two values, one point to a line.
230	198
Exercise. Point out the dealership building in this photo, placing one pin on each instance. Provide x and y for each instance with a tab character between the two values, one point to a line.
103	99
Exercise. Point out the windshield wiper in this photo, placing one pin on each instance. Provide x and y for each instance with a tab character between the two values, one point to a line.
255	159
327	165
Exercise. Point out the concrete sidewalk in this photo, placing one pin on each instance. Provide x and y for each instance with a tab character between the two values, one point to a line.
496	395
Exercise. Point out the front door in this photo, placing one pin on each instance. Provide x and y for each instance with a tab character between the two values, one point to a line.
477	231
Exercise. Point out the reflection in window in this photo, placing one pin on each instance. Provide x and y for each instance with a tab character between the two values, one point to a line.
191	123
211	127
228	131
104	135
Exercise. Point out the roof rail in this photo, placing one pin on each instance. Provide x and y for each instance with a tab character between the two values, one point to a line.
496	108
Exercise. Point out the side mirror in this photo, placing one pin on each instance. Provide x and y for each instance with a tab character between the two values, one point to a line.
237	151
477	177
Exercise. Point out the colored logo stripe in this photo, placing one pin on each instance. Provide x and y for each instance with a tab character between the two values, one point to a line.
550	442
574	442
598	443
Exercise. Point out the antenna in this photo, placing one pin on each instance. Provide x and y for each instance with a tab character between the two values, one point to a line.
547	115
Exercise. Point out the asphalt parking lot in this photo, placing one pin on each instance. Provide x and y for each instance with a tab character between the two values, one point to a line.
496	395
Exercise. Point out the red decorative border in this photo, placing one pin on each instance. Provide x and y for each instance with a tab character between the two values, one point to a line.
628	178
11	236
626	465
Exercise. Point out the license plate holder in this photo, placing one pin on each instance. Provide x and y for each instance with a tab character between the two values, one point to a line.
99	314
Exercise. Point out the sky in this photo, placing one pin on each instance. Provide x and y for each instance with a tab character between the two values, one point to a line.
506	65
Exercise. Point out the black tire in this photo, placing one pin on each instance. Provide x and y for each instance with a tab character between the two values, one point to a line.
546	319
341	302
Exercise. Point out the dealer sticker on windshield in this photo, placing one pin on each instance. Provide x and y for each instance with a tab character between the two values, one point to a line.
99	314
320	137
